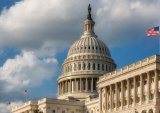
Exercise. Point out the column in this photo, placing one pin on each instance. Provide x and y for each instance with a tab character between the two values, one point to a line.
65	86
100	100
122	94
75	85
86	85
148	87
156	83
105	90
91	84
58	89
128	88
110	97
62	87
70	87
141	89
134	95
96	83
80	84
116	89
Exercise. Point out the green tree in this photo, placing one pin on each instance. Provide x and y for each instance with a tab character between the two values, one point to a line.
37	111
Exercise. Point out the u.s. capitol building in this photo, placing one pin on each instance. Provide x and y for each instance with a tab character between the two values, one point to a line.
90	82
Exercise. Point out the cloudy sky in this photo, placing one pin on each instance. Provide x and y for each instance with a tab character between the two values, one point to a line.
35	36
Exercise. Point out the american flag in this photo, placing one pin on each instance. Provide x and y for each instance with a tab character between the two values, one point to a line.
8	104
152	32
25	92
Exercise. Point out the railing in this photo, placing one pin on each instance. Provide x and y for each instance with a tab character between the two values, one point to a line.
130	67
25	104
59	101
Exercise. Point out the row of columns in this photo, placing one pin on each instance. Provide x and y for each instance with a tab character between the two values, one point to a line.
70	86
128	92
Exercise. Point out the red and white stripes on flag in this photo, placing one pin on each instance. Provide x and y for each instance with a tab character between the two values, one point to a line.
25	92
152	32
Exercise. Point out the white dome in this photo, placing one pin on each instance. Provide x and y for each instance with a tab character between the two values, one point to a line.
89	45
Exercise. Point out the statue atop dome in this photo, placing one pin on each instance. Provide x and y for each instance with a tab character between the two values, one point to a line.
89	9
89	13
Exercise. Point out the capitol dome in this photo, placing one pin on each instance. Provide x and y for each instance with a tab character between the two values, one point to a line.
89	45
87	60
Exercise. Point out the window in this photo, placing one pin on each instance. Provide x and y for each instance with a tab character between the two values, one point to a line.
88	66
105	49
93	47
85	47
93	66
94	85
152	96
102	67
145	82
89	47
78	48
99	48
131	101
98	66
109	69
83	85
96	48
102	49
79	66
78	85
106	67
138	99
89	85
84	66
53	111
138	84
145	97
81	47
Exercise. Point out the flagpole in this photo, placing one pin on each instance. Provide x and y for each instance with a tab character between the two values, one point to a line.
10	107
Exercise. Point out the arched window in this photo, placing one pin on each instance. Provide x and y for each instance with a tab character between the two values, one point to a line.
79	66
88	66
106	67
93	66
84	66
93	47
84	85
102	67
89	47
94	85
98	66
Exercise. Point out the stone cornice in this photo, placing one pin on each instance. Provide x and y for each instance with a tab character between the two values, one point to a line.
129	68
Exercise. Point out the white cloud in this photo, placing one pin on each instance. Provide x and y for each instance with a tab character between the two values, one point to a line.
44	26
26	70
6	109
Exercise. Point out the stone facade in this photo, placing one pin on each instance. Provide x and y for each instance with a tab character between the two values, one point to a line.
90	84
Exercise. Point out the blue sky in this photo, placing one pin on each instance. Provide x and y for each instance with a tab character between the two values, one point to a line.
35	40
